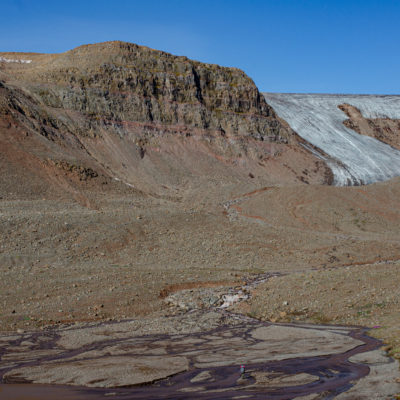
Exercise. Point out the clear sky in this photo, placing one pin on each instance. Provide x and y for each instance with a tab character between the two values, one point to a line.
325	46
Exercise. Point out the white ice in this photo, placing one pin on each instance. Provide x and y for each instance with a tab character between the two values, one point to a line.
231	299
9	60
353	158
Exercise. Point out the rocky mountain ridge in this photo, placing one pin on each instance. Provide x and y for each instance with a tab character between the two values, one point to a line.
109	106
119	82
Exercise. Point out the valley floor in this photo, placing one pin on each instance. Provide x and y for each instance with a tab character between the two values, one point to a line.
335	253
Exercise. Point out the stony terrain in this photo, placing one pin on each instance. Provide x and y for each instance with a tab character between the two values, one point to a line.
197	356
386	129
156	258
354	281
127	198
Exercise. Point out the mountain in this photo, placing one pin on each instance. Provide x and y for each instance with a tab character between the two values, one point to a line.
118	114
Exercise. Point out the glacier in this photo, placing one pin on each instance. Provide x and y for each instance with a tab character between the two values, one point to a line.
353	158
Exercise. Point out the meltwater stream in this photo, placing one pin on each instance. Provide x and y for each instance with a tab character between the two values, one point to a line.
354	159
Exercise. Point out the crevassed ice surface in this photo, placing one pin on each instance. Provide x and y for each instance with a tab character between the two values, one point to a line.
353	158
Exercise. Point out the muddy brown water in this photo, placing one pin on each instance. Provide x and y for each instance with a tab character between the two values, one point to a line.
333	373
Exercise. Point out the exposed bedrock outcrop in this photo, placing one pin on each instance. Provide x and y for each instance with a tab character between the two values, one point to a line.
119	83
147	118
385	129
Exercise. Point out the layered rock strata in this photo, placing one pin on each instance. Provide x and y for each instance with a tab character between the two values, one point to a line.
150	91
144	118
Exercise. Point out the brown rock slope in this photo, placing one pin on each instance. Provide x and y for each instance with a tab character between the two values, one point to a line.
78	120
384	129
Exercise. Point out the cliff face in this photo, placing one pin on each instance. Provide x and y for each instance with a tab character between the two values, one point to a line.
118	82
147	118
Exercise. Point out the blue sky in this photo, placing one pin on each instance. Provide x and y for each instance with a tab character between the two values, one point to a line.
323	46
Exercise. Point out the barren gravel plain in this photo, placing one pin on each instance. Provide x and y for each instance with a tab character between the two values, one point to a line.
139	265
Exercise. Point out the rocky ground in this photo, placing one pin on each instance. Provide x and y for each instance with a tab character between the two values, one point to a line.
360	295
356	282
384	129
157	228
197	354
157	259
65	262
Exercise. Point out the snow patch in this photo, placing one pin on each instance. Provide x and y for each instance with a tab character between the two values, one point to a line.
9	60
231	299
